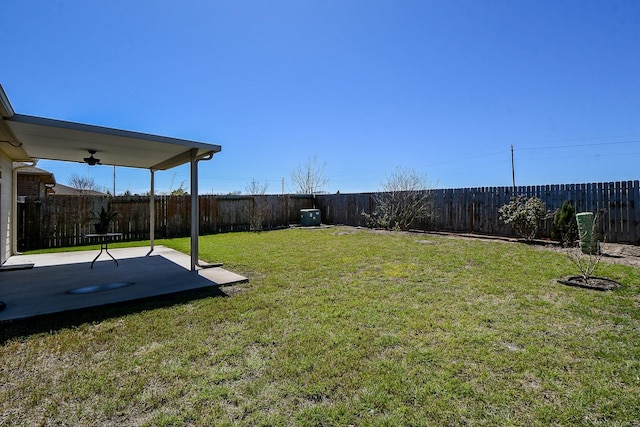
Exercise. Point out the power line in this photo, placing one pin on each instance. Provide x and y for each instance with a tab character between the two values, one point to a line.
577	155
550	147
459	159
578	139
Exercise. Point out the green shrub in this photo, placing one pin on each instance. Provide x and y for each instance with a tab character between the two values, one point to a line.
524	215
565	228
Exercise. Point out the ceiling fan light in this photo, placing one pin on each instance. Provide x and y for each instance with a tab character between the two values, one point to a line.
91	161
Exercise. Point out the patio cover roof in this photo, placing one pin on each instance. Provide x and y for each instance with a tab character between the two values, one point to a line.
25	138
42	138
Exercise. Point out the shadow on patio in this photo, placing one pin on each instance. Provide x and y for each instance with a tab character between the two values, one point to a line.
59	284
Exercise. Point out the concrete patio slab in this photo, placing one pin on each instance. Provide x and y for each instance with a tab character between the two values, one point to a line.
44	289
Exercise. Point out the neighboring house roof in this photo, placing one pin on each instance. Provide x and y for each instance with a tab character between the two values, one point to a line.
65	190
49	180
45	176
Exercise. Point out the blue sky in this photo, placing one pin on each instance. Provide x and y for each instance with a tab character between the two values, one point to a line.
441	87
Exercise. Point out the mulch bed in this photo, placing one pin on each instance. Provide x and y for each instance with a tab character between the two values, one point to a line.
596	283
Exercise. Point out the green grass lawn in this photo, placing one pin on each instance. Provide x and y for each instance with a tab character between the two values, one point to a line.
340	326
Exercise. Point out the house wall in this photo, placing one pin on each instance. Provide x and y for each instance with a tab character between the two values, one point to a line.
6	177
30	186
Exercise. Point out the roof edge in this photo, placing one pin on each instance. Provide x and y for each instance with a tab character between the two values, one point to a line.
43	121
6	110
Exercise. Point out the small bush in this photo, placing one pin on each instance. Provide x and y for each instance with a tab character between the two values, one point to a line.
524	215
405	197
565	228
260	209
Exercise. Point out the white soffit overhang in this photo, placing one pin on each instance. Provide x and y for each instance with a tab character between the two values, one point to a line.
44	138
9	144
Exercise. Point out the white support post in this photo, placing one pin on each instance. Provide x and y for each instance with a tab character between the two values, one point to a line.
195	223
152	212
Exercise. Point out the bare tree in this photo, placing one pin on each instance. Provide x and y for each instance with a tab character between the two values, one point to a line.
405	197
83	184
255	187
309	177
259	209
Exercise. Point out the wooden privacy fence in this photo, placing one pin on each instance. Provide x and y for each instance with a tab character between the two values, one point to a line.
475	210
60	221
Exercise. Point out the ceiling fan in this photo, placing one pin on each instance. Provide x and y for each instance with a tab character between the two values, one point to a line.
91	161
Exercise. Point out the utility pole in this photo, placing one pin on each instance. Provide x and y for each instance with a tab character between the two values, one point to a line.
283	185
513	171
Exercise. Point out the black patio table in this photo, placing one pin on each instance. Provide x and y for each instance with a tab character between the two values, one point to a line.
104	240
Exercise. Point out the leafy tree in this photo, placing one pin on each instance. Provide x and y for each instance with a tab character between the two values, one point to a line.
309	177
405	197
565	227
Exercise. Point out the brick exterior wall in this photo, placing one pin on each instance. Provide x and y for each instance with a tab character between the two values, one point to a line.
30	186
